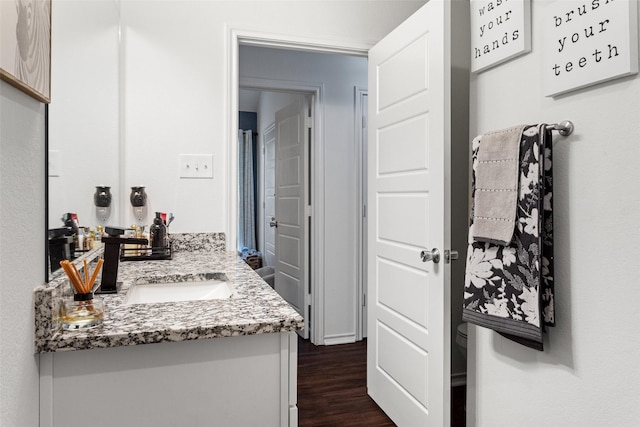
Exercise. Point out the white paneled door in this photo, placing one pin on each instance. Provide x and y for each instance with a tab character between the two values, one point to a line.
290	221
269	195
408	352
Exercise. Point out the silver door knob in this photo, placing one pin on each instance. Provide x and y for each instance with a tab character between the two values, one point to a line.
432	255
273	222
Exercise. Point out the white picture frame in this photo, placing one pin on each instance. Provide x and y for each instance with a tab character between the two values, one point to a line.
500	31
588	42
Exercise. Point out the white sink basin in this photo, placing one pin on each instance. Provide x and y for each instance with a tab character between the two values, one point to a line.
212	288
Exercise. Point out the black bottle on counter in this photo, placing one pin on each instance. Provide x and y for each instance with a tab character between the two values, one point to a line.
158	235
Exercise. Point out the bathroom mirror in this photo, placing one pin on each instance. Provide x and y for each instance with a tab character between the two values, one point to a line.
84	114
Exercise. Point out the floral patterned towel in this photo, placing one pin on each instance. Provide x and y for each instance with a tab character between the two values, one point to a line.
509	288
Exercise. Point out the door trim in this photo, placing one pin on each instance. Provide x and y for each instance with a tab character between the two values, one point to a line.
360	95
295	42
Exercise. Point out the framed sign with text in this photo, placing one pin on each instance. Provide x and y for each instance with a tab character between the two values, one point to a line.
500	30
588	42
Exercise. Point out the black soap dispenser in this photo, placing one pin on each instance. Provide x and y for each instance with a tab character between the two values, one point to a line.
158	235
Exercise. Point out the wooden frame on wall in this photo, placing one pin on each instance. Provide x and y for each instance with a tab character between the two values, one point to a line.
25	46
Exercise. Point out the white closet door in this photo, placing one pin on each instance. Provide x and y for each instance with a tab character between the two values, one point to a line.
289	221
269	195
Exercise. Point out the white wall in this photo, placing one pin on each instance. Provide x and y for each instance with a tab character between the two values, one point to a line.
22	240
339	75
174	81
84	112
588	374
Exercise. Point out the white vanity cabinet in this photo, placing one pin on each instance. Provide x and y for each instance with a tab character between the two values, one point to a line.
227	362
247	380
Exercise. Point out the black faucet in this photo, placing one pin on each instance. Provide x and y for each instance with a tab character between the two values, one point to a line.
112	243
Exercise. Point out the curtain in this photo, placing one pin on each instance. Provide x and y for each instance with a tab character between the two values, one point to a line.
246	192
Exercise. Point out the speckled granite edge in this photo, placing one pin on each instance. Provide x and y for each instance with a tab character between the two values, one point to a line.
198	242
255	308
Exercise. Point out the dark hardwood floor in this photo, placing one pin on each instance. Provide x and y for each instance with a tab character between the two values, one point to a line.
332	388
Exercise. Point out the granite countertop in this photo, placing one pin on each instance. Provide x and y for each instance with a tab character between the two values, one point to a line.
254	308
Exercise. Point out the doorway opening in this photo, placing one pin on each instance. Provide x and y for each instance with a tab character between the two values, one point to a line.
327	195
284	158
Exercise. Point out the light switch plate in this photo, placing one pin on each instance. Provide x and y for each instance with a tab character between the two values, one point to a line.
196	166
54	163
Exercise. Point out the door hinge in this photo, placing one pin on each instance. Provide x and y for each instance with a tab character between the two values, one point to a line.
450	255
364	300
308	122
364	211
307	210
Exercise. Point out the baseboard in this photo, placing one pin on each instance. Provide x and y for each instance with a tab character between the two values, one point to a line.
339	339
293	416
458	379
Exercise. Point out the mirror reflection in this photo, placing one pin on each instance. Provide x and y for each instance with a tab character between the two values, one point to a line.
84	121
